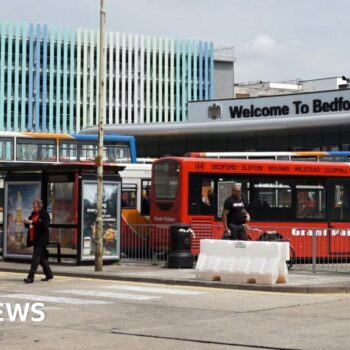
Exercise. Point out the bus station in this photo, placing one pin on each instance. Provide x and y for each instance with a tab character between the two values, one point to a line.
174	175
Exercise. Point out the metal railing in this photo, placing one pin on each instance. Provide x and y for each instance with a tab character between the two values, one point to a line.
143	243
312	249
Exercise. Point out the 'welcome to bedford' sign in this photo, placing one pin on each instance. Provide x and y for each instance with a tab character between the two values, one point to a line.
327	102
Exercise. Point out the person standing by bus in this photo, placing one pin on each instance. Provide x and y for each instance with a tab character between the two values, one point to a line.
235	215
38	237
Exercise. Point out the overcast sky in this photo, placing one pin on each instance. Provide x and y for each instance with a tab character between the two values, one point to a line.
274	40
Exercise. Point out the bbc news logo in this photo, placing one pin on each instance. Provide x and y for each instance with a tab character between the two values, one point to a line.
22	312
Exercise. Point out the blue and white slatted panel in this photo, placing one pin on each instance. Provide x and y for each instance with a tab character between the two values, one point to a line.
55	87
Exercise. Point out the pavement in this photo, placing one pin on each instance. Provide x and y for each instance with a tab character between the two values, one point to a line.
85	313
298	281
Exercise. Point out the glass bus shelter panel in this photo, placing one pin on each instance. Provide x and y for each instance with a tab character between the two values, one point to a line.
36	150
68	239
18	206
62	205
111	220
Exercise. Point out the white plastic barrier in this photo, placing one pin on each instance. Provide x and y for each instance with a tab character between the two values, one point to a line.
243	261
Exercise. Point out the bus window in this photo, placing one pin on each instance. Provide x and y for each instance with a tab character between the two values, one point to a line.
166	175
311	201
286	158
88	152
340	203
6	149
225	190
207	199
145	195
68	151
36	150
201	199
272	200
231	157
332	158
304	158
262	157
116	153
129	196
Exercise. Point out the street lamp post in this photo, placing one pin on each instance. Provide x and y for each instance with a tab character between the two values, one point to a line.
99	158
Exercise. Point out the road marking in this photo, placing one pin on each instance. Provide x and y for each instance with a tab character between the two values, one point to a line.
23	274
96	293
51	299
156	290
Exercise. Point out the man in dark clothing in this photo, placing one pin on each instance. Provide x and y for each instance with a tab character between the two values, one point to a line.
38	237
235	215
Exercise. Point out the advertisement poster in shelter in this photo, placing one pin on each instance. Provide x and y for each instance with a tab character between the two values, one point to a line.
111	232
18	206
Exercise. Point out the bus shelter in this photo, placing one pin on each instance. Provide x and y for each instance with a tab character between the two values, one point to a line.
69	192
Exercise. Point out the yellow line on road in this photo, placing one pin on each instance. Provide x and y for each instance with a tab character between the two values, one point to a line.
10	273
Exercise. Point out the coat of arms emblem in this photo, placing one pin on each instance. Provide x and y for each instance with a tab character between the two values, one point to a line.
214	111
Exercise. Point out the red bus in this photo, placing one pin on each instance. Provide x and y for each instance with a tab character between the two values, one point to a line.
297	199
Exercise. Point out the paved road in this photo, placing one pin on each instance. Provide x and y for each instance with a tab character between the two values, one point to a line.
96	314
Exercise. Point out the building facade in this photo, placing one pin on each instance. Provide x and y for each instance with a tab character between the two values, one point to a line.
49	78
256	89
224	60
312	121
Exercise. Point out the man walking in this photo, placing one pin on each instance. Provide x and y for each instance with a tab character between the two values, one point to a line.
235	215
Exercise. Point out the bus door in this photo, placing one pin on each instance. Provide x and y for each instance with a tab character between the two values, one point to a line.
339	217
